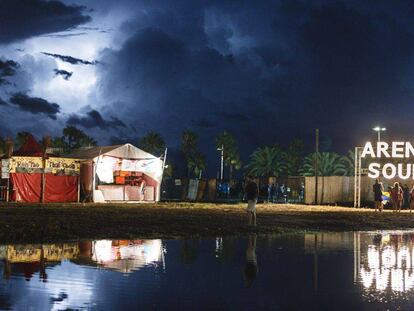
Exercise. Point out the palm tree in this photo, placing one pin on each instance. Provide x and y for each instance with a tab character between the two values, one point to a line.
194	158
76	138
267	161
231	153
152	143
2	145
294	157
329	164
348	162
196	164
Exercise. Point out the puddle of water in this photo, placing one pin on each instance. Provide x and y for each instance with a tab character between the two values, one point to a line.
326	271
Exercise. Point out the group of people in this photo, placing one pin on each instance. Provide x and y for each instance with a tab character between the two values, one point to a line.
401	196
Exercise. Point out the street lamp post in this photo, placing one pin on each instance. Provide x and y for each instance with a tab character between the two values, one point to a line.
379	129
221	161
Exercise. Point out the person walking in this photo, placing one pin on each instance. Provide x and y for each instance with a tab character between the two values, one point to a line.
397	197
378	188
252	193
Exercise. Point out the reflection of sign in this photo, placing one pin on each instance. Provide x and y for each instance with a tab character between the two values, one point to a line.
5	168
55	165
395	150
27	163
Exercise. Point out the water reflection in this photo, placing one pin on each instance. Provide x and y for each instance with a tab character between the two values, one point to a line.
341	271
250	270
386	264
118	255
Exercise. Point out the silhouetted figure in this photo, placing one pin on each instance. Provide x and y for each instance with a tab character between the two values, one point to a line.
378	188
397	197
406	191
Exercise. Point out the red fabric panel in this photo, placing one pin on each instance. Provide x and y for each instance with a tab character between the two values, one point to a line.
30	148
26	187
61	188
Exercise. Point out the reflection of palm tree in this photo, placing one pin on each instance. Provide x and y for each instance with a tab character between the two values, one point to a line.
250	269
188	251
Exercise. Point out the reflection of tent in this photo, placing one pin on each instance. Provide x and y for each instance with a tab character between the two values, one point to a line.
119	173
126	258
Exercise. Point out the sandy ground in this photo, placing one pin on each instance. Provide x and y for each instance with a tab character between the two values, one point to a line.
35	223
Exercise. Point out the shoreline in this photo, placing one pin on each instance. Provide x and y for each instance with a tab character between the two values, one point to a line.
45	223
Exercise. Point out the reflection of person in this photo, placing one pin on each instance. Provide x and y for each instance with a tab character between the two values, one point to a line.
250	270
397	197
378	188
252	193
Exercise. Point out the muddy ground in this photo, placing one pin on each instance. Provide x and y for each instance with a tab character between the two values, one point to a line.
36	223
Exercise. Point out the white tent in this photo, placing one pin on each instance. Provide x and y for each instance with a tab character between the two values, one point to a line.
126	158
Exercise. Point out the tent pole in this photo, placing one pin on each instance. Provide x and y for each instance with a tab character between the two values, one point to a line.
42	199
8	190
79	187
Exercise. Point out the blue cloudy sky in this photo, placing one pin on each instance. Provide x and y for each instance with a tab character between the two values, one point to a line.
267	71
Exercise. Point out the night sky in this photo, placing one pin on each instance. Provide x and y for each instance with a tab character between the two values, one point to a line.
266	71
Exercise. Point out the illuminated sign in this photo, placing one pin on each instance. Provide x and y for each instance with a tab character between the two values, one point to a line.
27	163
395	150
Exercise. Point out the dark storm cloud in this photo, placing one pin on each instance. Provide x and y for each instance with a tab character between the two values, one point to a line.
204	123
65	74
70	59
288	66
94	119
22	19
7	69
2	102
35	105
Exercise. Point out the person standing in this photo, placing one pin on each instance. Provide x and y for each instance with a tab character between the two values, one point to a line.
406	191
269	192
252	193
397	197
378	188
412	199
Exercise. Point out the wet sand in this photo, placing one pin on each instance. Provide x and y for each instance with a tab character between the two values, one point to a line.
35	223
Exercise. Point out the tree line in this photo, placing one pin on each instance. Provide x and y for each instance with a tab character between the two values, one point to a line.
268	161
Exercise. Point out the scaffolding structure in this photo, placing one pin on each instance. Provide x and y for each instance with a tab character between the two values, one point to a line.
357	177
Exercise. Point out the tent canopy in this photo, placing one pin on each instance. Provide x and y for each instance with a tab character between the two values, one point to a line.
126	151
148	163
30	148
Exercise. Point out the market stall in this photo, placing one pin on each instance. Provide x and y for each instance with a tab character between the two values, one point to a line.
37	177
119	173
